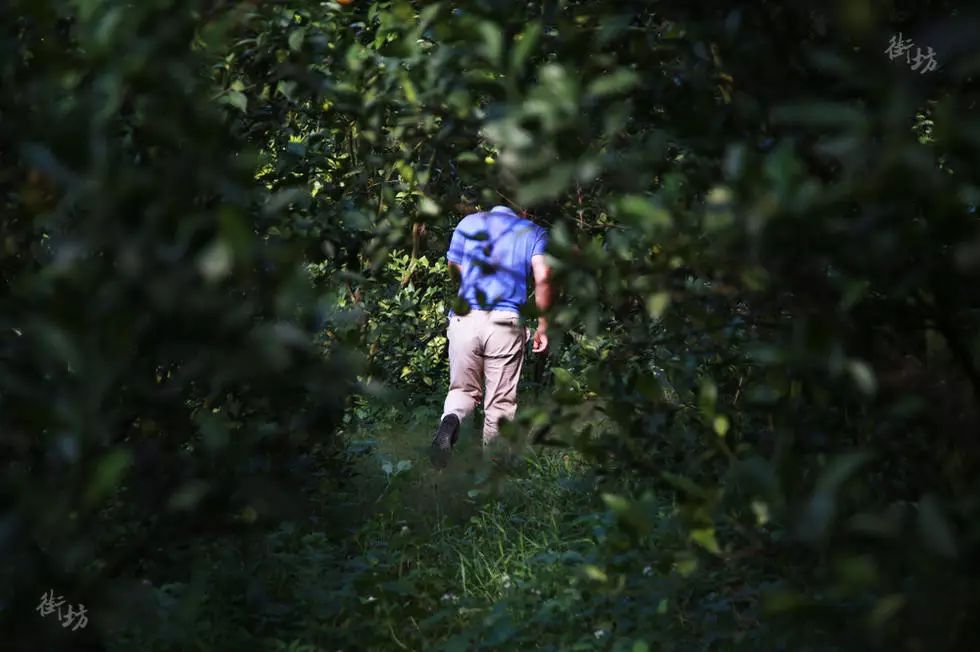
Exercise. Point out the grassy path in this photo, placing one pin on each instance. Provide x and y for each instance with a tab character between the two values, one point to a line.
407	557
466	553
404	557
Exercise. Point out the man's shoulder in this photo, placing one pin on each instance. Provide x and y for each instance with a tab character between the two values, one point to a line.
471	220
532	229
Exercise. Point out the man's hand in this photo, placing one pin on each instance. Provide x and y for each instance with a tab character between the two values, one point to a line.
540	344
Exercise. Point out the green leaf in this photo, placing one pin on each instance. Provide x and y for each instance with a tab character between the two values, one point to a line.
215	262
296	38
685	484
555	181
236	99
657	304
618	82
286	88
188	495
863	377
644	212
705	537
526	44
595	573
108	473
630	514
562	376
708	397
821	509
493	41
409	89
721	425
686	564
841	469
460	306
428	207
617	504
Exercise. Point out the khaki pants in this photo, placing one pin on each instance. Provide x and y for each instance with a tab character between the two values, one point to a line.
485	346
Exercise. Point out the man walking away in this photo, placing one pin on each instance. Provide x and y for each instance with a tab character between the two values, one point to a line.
494	254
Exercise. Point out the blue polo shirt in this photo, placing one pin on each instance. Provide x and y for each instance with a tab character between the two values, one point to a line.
494	252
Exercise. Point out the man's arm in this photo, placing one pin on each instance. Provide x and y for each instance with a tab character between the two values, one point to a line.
543	297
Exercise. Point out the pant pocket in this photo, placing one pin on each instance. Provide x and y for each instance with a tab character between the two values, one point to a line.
506	320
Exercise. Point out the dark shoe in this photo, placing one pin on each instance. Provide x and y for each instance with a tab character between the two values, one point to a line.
445	439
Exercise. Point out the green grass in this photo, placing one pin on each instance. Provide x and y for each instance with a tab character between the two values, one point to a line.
407	557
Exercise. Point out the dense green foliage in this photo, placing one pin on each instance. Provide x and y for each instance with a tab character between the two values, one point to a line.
223	276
